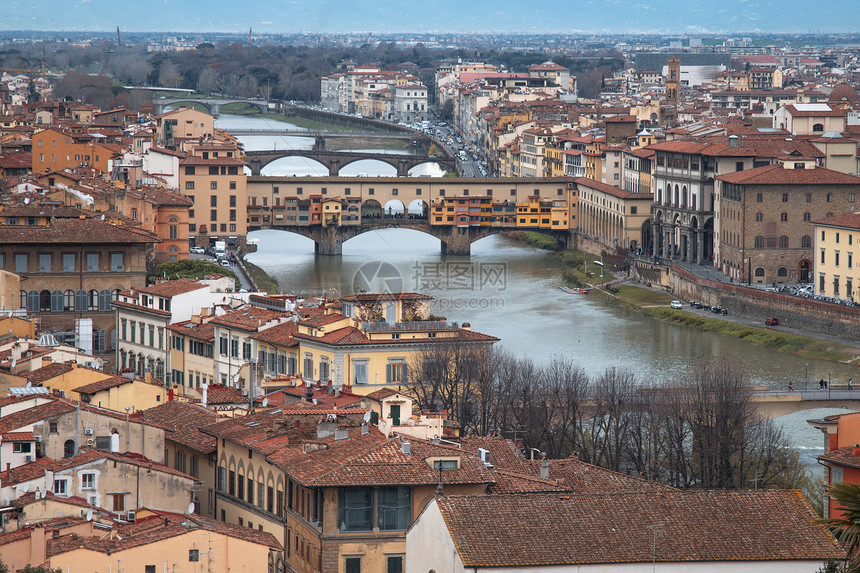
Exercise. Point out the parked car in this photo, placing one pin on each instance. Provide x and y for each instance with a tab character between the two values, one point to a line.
198	250
225	263
676	304
772	321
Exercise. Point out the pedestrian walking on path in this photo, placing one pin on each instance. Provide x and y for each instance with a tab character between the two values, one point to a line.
850	384
821	384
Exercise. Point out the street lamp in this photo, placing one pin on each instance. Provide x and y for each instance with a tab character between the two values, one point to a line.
806	376
828	383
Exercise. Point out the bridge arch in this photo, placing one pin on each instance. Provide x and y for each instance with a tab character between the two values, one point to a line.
361	166
394	208
296	166
418	209
370	210
429	168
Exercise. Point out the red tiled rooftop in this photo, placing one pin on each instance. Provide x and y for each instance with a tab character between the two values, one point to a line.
778	175
692	526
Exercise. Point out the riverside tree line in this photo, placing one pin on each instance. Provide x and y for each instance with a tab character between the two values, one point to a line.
697	431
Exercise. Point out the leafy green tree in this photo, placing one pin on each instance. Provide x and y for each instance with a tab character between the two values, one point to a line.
846	527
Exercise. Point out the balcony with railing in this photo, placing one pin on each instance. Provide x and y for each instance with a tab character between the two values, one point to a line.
418	325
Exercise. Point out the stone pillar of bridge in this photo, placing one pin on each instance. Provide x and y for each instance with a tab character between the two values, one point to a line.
328	241
255	165
333	167
214	108
402	168
457	241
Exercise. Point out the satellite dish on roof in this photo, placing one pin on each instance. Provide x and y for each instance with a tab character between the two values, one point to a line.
367	417
14	362
236	377
102	217
190	508
265	402
44	493
26	200
29	384
89	515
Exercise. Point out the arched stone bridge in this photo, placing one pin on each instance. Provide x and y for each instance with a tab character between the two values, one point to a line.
212	105
335	160
455	240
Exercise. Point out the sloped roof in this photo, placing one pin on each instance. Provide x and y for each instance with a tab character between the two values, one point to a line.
691	526
778	175
182	422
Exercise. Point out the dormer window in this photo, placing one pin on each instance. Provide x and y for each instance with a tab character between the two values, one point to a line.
444	464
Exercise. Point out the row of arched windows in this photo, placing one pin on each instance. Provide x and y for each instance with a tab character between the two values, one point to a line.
68	301
781	272
782	242
783	217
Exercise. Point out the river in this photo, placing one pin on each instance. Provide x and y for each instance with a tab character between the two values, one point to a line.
511	291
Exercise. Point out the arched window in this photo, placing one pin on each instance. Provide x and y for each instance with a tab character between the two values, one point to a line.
23	299
45	301
113	338
123	361
828	215
806	241
69	300
785	197
806	217
783	217
80	300
33	301
758	198
782	272
759	216
759	272
759	242
69	449
56	301
817	127
104	300
93	300
783	242
114	295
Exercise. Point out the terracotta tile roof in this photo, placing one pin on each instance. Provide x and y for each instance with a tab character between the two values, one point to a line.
75	231
511	482
185	420
45	373
162	150
15	420
154	529
778	175
692	526
380	395
112	382
841	456
610	190
504	454
846	221
174	287
324	398
140	307
370	459
219	394
18	437
248	318
378	297
37	468
351	335
323	319
281	334
205	331
584	478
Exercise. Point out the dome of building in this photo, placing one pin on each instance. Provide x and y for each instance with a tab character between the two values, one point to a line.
844	93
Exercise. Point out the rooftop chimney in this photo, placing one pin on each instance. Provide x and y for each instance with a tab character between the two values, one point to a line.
406	448
855	450
544	469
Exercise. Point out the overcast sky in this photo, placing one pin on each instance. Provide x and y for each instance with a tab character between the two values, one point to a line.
535	16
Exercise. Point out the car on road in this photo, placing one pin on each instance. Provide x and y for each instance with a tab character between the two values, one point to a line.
225	263
198	250
676	304
772	321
